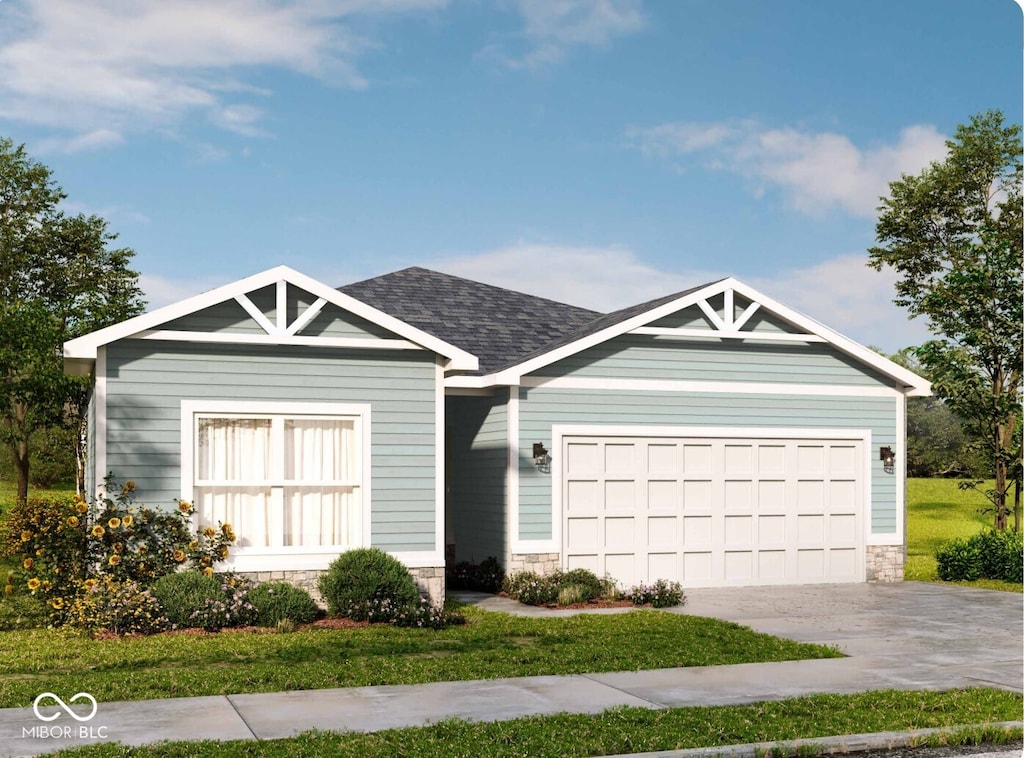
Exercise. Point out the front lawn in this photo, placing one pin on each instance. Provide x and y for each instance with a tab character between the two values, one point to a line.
491	645
938	511
629	730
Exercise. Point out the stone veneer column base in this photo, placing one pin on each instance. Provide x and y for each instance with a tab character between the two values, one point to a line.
538	563
884	563
429	580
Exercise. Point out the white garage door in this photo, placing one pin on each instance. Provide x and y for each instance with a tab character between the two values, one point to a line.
712	511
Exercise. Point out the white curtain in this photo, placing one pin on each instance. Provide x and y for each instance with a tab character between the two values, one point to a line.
322	507
235	452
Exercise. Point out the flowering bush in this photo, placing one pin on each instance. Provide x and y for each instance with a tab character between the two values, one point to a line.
192	599
421	614
116	607
60	543
561	587
661	594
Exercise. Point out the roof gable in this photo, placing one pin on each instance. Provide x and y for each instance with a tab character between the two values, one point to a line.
281	304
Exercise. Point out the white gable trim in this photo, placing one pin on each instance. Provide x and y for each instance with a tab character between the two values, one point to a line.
86	347
913	384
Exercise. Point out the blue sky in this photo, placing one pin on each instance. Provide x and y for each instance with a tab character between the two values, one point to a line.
598	152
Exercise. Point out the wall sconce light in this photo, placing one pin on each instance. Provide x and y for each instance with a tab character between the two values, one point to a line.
540	455
888	459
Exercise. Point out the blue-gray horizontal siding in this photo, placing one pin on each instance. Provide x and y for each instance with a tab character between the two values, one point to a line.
147	380
540	408
635	356
478	428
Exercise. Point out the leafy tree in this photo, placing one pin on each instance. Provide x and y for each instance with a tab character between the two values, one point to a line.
59	279
954	235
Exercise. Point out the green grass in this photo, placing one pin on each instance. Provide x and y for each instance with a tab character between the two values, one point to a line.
938	511
9	488
628	730
491	645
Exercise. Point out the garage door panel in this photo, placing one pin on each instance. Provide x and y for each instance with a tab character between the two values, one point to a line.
715	511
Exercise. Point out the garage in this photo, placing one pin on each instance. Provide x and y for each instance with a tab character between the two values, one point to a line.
713	508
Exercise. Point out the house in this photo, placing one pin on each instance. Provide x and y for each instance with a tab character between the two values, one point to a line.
712	436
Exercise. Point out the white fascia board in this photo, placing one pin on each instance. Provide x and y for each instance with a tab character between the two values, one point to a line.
914	385
85	346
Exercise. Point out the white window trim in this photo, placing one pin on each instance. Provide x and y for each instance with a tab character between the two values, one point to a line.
281	558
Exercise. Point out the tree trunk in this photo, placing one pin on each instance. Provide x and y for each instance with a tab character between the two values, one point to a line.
20	455
1016	505
81	430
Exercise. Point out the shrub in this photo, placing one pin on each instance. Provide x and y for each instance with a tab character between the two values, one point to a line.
357	579
989	555
486	577
277	601
527	587
421	614
661	594
116	607
192	599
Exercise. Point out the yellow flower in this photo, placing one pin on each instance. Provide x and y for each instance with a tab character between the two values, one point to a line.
26	535
129	486
118	547
208	571
76	498
27	563
209	532
178	555
223	552
89	583
57	602
114	559
114	522
127	521
98	531
141	550
73	520
193	545
184	506
205	561
46	585
33	584
82	506
8	589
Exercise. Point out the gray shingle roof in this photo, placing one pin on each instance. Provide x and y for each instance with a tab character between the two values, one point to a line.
499	326
495	324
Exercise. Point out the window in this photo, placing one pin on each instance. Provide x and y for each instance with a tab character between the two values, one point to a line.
286	480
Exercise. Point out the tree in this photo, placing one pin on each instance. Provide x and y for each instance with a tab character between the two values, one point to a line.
954	235
58	280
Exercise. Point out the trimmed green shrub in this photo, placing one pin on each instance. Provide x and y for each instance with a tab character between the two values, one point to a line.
987	555
359	578
191	599
276	601
532	589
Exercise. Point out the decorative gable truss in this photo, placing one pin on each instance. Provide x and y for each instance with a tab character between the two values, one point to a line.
277	307
728	315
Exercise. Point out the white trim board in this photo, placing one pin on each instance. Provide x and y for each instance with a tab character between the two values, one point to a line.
229	338
913	384
85	347
668	385
99	443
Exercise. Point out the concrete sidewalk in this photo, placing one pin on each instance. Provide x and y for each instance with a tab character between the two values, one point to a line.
890	635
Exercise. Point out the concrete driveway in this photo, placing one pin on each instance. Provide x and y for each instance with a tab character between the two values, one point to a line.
906	634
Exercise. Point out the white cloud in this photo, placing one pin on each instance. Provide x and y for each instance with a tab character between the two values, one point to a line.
113	66
842	293
89	141
816	171
553	27
163	290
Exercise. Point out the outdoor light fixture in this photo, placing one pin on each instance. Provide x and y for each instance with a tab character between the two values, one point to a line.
540	455
888	459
